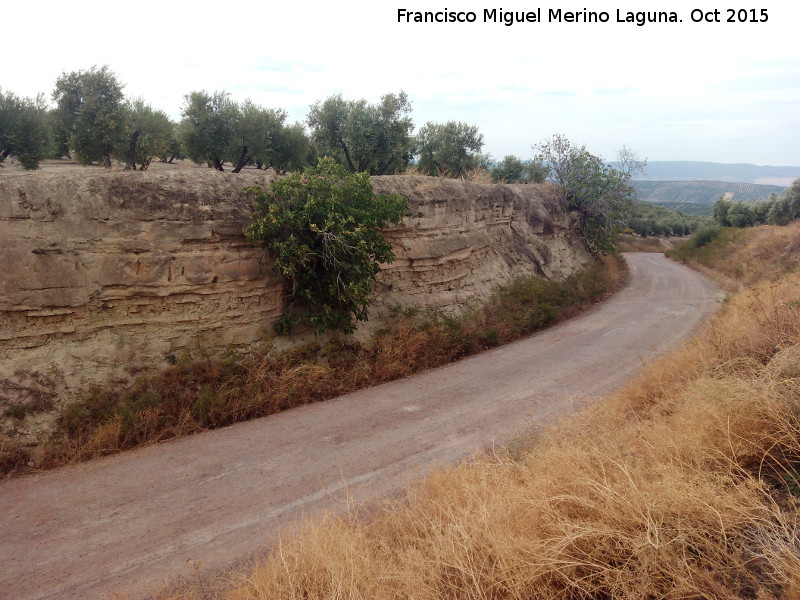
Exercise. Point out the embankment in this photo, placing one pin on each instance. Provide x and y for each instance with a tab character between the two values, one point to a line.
107	275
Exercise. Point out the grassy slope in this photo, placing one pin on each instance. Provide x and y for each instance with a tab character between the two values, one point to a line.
746	256
684	484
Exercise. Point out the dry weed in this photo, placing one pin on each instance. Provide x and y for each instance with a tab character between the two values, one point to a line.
747	256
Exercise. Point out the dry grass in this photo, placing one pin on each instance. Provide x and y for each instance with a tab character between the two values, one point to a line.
201	392
684	484
476	175
746	256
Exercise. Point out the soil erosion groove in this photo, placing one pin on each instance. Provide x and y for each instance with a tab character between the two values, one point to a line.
130	521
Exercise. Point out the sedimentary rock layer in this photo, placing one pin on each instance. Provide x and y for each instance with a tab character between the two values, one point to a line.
103	275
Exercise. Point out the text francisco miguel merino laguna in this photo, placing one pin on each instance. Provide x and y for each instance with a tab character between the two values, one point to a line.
558	15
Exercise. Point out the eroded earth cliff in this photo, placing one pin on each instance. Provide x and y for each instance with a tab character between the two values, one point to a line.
106	274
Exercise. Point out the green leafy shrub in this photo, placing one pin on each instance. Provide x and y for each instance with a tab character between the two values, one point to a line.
705	235
323	229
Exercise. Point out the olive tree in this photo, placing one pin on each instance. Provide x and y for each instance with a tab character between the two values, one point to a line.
290	149
254	131
174	148
448	149
208	127
373	138
23	129
146	136
598	192
513	170
91	113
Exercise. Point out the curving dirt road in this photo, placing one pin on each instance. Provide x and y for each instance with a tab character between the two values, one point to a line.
129	522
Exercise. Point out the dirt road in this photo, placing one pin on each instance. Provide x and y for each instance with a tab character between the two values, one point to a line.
129	522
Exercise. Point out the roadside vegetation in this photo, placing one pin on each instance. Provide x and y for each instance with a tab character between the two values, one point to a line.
647	220
323	230
741	257
684	484
776	210
651	228
201	392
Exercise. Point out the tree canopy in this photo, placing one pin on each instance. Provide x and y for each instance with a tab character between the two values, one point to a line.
513	170
216	130
448	149
255	129
90	112
776	210
23	129
650	219
373	138
148	134
208	126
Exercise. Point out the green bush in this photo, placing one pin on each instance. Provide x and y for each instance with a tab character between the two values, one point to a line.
323	229
705	235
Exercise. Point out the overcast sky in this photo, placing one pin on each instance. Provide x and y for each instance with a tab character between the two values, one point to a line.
721	92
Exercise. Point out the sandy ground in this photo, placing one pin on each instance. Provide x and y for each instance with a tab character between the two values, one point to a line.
130	522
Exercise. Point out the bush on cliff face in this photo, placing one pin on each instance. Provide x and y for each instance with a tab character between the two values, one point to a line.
323	229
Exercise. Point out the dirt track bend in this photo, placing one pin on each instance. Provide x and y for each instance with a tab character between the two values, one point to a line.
130	521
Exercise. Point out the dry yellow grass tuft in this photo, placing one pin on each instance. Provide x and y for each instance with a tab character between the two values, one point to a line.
747	256
685	484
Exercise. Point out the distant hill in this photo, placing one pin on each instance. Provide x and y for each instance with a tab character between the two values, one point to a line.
709	171
703	192
696	197
687	208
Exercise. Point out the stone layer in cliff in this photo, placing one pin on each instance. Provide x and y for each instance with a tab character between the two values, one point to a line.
106	274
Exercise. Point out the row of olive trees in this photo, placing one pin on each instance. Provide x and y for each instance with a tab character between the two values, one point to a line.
777	210
93	122
649	219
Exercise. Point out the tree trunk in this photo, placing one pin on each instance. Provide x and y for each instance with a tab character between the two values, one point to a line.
4	155
171	158
130	163
350	164
218	164
243	160
385	166
107	156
